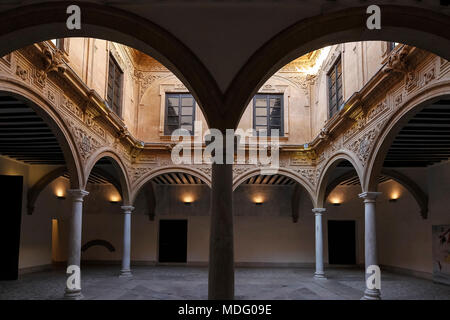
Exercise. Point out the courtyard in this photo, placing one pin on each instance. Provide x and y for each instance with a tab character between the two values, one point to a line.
190	283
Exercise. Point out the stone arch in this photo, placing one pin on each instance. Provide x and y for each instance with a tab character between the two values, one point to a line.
281	171
119	166
329	166
399	23
59	128
158	171
383	141
33	23
416	191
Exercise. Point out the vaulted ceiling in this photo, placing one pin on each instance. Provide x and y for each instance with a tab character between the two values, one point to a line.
424	140
25	136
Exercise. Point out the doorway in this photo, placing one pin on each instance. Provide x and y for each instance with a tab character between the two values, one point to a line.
11	200
172	240
341	242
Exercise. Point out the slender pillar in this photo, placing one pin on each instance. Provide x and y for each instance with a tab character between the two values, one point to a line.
126	271
370	237
74	250
221	259
319	274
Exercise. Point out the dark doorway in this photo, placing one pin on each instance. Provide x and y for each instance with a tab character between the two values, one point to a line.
341	242
11	200
172	240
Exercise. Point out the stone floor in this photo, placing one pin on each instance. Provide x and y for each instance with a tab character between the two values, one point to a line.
162	282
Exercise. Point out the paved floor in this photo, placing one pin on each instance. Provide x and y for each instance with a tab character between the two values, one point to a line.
101	282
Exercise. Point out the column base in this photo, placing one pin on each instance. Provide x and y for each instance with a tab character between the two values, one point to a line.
73	294
125	274
320	275
371	294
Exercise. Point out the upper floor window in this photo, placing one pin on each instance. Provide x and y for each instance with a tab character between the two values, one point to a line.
115	80
59	43
391	46
268	113
336	98
180	112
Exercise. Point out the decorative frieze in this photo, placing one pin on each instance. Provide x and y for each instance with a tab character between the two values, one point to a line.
428	76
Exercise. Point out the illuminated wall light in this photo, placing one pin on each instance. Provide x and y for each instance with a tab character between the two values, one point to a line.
336	202
394	196
60	194
114	199
187	200
258	200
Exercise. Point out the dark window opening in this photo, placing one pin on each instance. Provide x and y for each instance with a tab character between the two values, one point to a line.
180	113
336	98
268	114
115	81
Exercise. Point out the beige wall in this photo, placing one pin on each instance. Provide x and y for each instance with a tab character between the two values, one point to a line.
305	101
263	234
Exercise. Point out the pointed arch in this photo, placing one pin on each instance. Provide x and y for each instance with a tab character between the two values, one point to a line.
330	165
118	165
400	23
28	24
412	105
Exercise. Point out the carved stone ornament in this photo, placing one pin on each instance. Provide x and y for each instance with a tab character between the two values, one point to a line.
21	72
397	61
86	143
53	61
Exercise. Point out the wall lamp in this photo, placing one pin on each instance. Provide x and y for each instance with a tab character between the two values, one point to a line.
114	199
258	201
60	194
188	200
336	204
394	197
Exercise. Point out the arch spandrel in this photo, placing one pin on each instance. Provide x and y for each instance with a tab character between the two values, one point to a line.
119	165
327	168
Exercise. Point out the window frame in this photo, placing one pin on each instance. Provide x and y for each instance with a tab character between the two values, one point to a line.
268	96
334	68
112	60
180	95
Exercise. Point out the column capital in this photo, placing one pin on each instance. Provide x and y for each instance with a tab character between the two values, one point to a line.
127	209
369	196
319	210
77	194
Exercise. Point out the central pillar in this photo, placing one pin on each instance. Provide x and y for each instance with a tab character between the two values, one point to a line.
74	249
221	258
319	274
126	252
370	240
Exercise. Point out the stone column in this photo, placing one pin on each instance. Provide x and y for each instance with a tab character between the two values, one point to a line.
126	271
74	250
370	237
319	274
221	259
